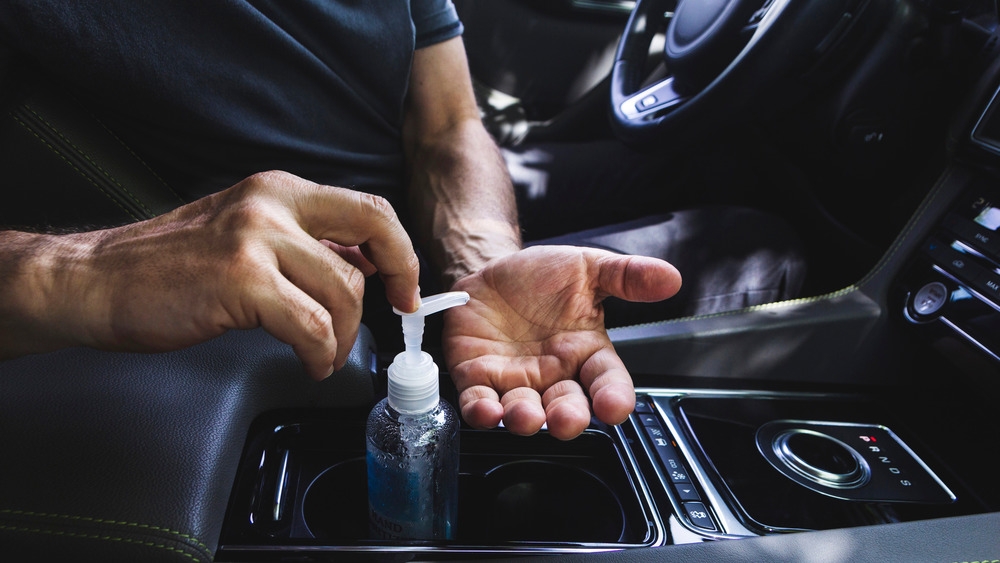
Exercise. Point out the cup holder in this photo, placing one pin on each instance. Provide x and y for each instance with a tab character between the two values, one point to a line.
303	487
535	500
527	500
336	503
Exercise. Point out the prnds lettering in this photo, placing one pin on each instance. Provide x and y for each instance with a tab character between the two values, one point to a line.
384	528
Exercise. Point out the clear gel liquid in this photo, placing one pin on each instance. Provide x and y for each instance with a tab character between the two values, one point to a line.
412	473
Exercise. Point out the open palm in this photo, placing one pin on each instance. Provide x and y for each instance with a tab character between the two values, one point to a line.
532	338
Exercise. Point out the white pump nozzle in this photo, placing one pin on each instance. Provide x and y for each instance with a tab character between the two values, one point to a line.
413	376
413	323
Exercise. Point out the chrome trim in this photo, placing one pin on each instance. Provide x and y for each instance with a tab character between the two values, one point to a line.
891	434
623	7
970	339
730	526
944	317
994	148
657	537
279	491
731	523
663	91
288	549
858	477
642	487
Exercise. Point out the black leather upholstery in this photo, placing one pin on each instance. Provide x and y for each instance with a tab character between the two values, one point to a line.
63	169
131	457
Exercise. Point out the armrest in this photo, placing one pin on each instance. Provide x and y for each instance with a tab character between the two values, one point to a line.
132	456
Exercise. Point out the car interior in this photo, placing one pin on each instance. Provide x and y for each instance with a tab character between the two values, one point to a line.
856	422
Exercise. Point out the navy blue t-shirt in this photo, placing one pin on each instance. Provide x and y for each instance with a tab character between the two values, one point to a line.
210	91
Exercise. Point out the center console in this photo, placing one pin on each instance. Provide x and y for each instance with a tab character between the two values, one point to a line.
688	465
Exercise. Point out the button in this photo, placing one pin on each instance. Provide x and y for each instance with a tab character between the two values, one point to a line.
659	438
672	464
687	492
642	406
958	263
988	284
930	298
699	516
649	420
973	233
646	103
679	475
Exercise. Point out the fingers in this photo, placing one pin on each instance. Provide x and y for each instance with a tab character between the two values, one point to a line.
567	410
293	317
480	407
564	409
635	278
609	385
353	218
332	282
520	409
353	256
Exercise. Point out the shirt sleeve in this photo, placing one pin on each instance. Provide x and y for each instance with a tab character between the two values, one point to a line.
434	21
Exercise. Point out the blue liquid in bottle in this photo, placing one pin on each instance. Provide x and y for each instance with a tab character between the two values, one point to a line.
412	473
412	441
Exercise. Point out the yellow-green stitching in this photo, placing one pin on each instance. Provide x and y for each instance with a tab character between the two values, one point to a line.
90	160
99	537
73	166
935	192
138	158
187	537
751	308
918	214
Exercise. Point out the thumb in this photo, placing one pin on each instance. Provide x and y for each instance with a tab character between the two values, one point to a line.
636	278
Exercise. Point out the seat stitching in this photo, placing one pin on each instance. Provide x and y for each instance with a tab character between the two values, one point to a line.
73	166
188	537
138	158
99	537
881	265
90	160
752	308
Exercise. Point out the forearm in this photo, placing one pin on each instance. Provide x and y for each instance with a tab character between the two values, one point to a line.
464	206
43	278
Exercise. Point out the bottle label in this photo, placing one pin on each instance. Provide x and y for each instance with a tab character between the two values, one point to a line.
400	502
384	528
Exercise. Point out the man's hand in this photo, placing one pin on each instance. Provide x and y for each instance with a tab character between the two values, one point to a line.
532	338
274	251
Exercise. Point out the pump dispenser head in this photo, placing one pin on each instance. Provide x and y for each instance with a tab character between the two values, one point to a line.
413	375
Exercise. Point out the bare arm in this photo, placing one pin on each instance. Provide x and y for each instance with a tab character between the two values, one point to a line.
252	255
460	191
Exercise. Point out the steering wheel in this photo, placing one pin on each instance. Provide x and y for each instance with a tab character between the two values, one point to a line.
721	58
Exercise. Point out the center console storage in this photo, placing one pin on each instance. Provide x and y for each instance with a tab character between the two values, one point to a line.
688	465
302	487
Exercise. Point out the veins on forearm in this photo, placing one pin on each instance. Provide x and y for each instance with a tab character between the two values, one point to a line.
464	202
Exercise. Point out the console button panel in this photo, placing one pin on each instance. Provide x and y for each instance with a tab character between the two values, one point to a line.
674	469
953	284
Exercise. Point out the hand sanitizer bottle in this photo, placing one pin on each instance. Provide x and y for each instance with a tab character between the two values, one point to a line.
412	439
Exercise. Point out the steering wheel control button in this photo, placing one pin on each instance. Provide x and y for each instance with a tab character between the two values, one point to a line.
930	299
820	458
699	517
646	103
850	461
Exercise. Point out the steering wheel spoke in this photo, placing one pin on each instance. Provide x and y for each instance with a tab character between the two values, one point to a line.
655	98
